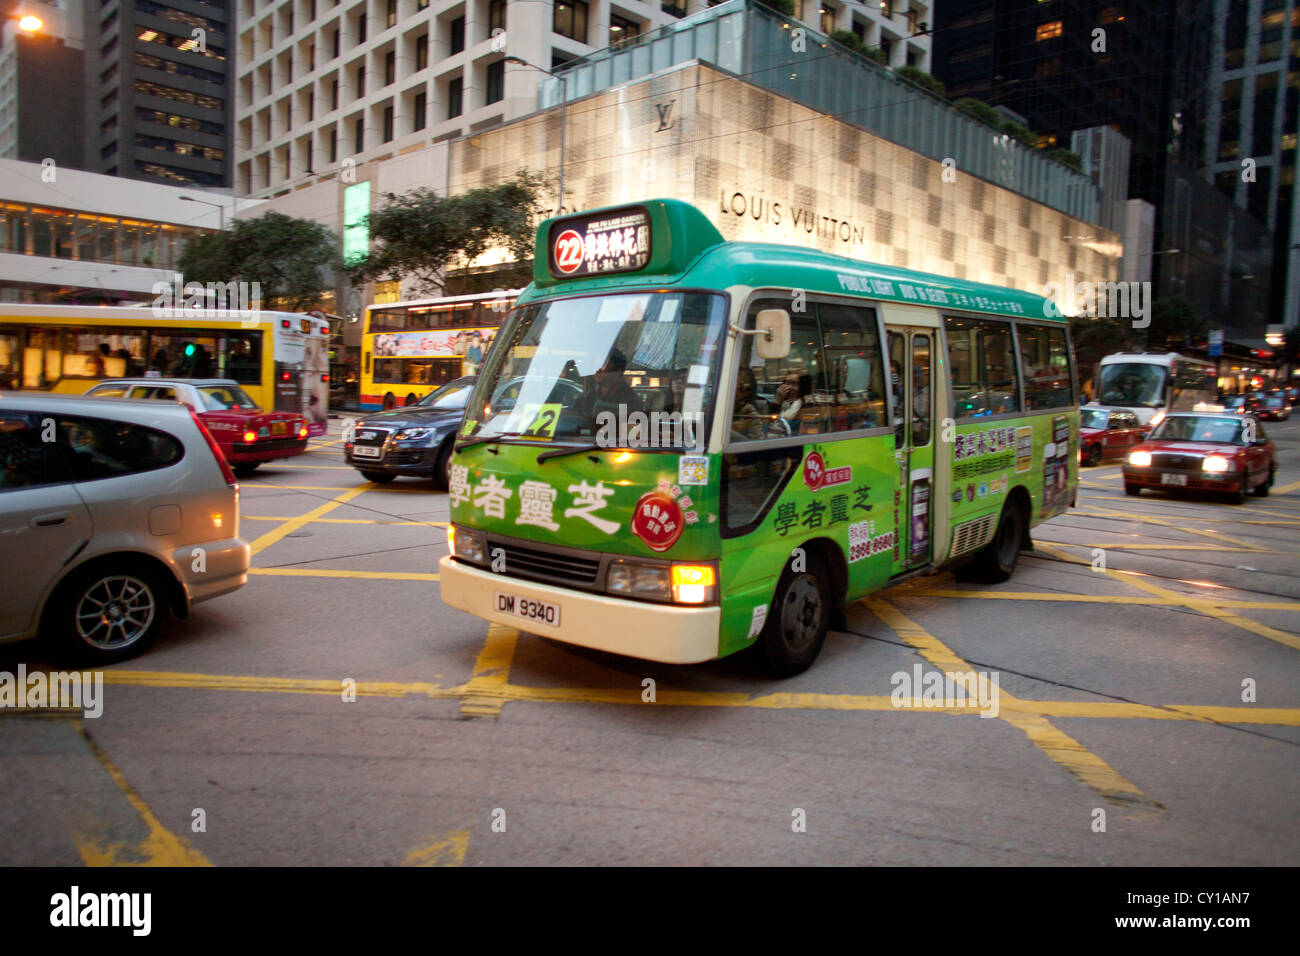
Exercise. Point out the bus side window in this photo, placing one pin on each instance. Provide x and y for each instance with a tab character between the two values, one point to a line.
982	364
855	386
1045	360
786	397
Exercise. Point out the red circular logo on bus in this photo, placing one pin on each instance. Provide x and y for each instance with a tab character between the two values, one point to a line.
814	471
568	251
658	520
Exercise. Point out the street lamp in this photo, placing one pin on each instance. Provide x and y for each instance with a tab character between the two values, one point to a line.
221	209
564	117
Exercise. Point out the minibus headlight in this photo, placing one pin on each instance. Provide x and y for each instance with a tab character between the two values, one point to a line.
694	583
632	579
467	545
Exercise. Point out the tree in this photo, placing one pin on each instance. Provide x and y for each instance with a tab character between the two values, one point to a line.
783	7
1173	322
1019	132
849	39
420	234
1096	337
1066	158
293	260
978	109
922	79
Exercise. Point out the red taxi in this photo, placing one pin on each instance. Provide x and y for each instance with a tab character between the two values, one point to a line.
1204	451
1107	433
246	435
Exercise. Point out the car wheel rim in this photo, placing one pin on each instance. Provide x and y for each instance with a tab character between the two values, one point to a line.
801	614
115	612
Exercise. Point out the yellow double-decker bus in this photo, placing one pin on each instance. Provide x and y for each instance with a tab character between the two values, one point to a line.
410	348
281	359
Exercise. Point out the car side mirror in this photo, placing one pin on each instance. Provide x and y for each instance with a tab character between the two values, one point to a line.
772	334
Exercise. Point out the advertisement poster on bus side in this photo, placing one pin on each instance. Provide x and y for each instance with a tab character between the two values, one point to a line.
1056	468
920	513
472	344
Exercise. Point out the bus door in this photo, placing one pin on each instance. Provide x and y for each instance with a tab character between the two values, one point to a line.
911	365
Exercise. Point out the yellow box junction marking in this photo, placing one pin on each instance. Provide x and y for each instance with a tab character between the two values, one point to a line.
491	674
271	537
1067	752
447	849
1207	606
160	847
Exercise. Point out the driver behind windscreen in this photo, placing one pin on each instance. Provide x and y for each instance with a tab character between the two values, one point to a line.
608	391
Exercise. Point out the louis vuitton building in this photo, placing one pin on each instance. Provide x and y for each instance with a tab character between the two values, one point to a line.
778	136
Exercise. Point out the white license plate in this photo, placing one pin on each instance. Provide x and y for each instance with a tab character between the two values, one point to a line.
1168	479
542	612
360	451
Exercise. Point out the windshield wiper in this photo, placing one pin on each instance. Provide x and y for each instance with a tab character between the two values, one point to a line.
561	452
479	440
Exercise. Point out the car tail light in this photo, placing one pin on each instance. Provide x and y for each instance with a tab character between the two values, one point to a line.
250	437
302	431
215	448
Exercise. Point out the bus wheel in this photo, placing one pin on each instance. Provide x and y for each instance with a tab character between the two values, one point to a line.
390	401
996	561
796	627
411	400
442	467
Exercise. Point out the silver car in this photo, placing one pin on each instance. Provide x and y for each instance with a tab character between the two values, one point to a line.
112	512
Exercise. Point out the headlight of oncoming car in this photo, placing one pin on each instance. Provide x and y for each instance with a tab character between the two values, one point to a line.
413	434
467	545
1218	464
1140	459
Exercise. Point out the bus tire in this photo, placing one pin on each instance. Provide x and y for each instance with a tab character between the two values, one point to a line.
378	477
797	621
390	401
442	465
996	561
410	400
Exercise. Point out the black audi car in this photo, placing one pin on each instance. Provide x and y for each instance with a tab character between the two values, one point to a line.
415	440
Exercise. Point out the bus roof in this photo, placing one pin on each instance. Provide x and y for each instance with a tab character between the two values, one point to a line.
1151	358
101	313
685	249
446	299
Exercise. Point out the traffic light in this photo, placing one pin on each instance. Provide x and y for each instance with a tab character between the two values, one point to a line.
189	350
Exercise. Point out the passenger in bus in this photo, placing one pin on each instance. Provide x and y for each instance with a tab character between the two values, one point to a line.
792	394
746	422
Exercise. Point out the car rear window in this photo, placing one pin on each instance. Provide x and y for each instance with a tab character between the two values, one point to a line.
98	448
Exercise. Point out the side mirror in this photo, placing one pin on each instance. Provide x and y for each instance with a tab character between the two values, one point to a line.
772	333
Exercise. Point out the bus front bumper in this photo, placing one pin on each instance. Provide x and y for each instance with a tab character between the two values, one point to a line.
666	633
